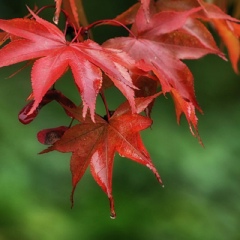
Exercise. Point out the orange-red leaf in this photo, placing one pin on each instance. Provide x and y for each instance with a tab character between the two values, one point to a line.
43	40
70	7
128	17
225	25
162	42
230	36
96	144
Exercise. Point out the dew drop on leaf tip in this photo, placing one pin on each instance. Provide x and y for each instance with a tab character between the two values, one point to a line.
55	20
113	215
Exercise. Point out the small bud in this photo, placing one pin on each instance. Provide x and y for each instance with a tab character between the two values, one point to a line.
23	116
51	135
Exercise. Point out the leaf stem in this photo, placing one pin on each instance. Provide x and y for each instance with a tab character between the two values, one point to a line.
107	22
70	124
105	104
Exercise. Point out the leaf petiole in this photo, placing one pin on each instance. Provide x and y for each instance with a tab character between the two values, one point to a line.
105	104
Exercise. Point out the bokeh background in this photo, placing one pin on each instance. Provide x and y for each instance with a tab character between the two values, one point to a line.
201	195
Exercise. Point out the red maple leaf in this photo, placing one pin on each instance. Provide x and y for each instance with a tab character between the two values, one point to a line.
159	44
230	33
96	144
227	27
41	39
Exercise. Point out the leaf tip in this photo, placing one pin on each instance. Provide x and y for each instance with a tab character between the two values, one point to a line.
47	150
55	19
71	196
112	210
154	170
31	11
195	133
85	111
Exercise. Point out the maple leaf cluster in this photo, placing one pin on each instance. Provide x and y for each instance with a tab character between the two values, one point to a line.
144	65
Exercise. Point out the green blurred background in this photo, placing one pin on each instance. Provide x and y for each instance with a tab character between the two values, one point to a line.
201	195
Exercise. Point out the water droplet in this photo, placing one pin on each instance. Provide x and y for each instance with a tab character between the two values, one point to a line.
113	215
163	186
55	19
